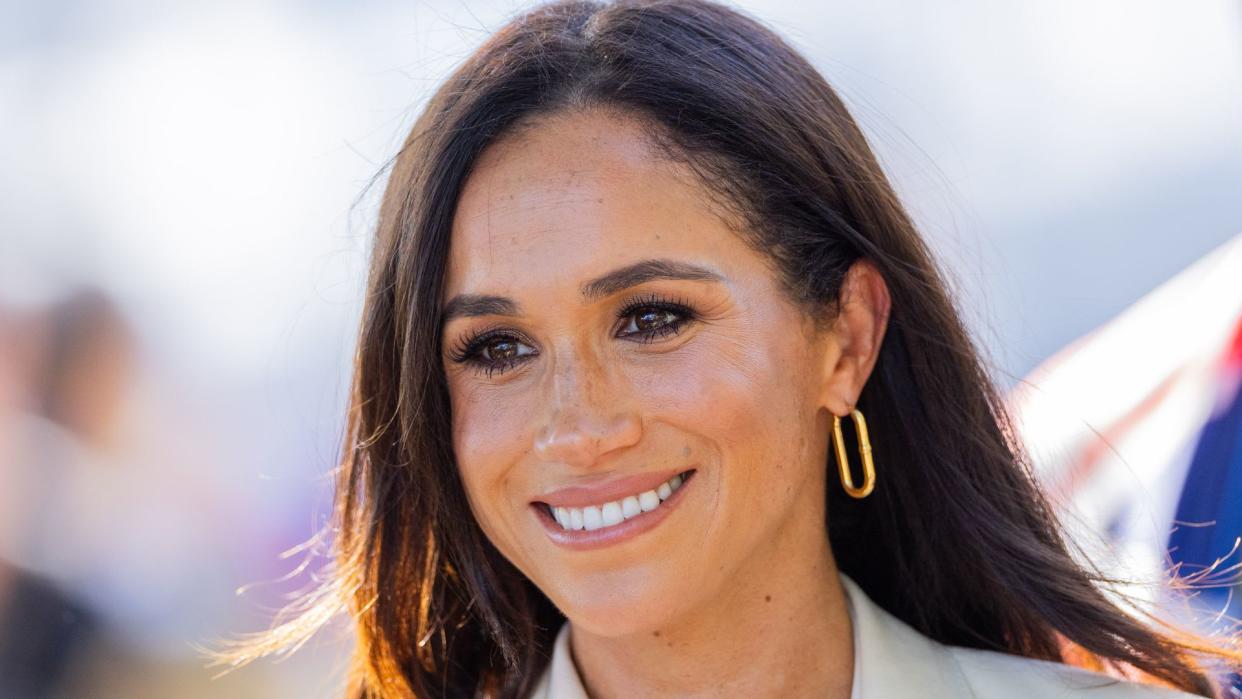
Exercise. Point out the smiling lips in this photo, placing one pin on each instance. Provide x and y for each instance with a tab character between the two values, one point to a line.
571	512
594	517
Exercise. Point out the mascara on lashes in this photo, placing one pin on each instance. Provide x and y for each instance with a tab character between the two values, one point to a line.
468	349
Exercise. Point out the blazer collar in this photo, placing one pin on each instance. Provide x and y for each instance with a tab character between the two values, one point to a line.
890	658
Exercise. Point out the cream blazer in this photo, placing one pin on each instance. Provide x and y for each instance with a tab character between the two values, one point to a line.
891	659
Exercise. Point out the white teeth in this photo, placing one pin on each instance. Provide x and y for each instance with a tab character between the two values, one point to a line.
648	500
630	507
592	518
612	513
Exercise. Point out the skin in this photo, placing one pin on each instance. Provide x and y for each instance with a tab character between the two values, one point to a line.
736	591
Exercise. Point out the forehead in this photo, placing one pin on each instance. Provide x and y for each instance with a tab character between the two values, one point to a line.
571	196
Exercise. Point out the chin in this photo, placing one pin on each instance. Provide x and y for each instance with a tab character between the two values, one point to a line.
616	604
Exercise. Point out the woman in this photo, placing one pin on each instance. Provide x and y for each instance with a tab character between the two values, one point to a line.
634	265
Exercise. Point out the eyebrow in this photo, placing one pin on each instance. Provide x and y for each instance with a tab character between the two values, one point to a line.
473	305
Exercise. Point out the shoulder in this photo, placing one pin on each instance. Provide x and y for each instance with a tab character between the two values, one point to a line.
993	674
891	658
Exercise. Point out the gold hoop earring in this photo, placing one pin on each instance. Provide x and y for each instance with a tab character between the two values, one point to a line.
864	448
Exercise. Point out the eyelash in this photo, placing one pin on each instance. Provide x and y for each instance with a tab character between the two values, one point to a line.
469	348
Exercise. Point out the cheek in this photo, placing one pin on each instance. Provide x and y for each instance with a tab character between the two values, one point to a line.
737	388
748	400
489	436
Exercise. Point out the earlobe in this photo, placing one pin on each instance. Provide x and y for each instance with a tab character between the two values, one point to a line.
851	347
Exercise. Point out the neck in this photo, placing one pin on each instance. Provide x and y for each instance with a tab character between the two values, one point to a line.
781	627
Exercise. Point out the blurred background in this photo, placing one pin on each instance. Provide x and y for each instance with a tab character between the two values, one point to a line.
186	196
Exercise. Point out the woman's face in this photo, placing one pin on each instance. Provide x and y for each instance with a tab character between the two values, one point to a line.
605	332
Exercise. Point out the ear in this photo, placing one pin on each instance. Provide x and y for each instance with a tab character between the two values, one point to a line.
852	344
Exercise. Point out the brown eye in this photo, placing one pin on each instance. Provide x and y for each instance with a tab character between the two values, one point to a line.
501	350
493	352
648	322
651	319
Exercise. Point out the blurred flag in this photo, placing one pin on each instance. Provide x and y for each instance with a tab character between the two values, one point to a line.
1135	430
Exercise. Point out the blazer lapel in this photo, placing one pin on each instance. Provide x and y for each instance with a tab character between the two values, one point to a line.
891	659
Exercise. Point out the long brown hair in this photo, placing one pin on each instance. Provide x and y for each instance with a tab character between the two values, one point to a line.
956	540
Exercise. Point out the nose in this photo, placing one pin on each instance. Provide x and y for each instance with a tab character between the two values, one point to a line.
587	417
